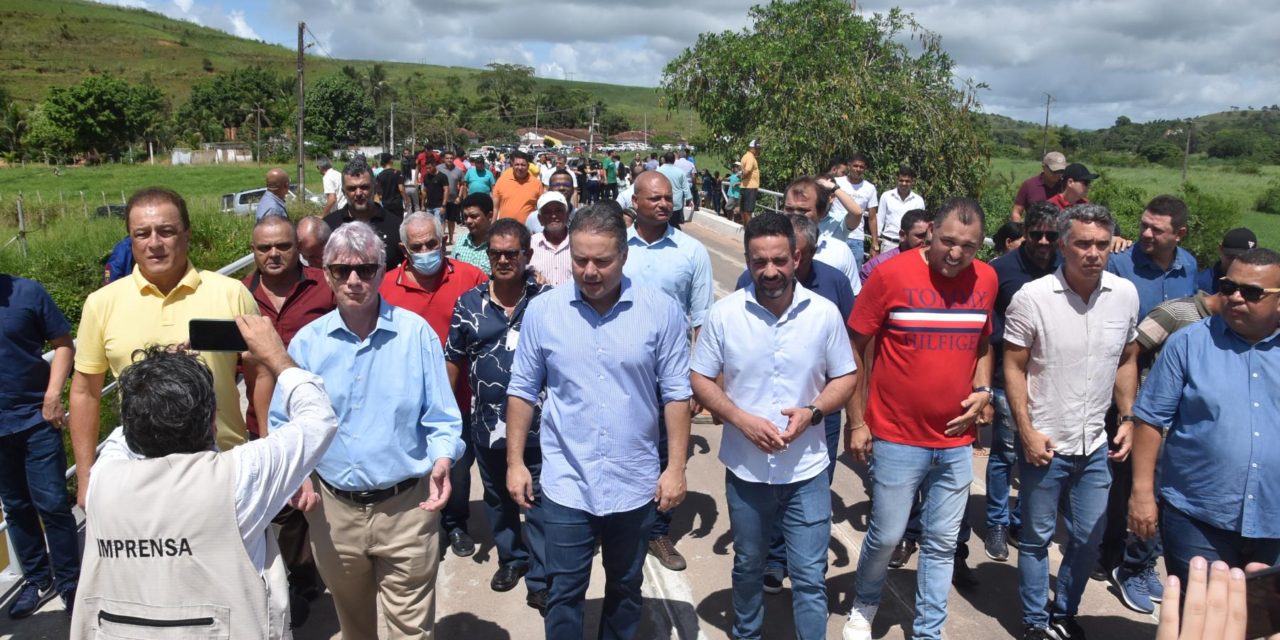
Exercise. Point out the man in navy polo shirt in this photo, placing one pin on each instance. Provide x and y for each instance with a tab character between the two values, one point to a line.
33	464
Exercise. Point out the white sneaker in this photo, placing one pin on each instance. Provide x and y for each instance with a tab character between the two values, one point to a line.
858	626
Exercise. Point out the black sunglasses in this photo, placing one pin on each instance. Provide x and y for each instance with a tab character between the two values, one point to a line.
1250	292
342	272
509	255
1037	236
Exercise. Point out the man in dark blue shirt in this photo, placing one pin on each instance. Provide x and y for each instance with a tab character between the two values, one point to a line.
483	336
33	464
1037	257
828	282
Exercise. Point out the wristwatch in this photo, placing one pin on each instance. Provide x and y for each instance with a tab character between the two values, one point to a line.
817	414
1127	418
988	390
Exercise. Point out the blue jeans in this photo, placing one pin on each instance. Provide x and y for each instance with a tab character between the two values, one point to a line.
1186	537
802	512
1086	480
33	488
777	563
943	475
856	247
570	539
504	514
1000	464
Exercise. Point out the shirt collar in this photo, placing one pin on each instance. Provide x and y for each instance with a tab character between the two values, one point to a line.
190	279
627	294
1219	324
466	242
1029	266
406	280
1140	257
384	322
640	242
541	240
799	298
1061	285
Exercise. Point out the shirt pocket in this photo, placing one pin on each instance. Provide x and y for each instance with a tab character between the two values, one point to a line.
1115	335
118	620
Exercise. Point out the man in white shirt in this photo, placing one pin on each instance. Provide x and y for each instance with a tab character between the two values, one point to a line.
773	399
334	197
865	194
893	205
1069	349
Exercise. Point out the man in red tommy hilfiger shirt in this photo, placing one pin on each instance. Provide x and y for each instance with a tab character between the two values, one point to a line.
929	311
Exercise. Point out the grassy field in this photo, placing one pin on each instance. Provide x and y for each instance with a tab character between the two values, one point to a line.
58	42
1220	180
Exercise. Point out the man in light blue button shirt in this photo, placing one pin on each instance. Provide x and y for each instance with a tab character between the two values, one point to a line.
787	362
385	477
611	356
680	191
1212	394
666	258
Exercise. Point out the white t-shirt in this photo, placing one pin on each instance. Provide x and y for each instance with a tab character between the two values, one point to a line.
836	254
892	208
333	184
864	193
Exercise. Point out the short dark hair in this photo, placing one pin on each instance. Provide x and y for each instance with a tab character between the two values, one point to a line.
167	403
836	161
520	155
511	227
602	218
768	224
1041	212
561	172
483	201
1260	257
157	195
1008	231
669	157
965	209
907	170
1171	206
914	217
823	196
859	157
384	159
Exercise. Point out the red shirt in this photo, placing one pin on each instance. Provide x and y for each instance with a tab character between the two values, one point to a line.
309	299
1061	201
401	289
927	330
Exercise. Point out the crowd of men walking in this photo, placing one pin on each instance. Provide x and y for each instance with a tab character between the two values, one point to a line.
562	346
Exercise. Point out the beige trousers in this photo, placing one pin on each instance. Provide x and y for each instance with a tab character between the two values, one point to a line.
384	553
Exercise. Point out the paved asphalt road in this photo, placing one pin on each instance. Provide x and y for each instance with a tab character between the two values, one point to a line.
695	603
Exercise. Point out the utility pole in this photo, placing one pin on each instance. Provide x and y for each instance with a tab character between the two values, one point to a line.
391	141
646	131
302	162
537	111
1186	154
257	132
1044	145
591	133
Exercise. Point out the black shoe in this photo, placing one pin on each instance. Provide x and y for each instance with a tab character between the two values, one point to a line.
962	575
507	577
30	598
1066	627
902	553
461	544
1015	536
538	600
997	543
773	581
1036	633
1099	572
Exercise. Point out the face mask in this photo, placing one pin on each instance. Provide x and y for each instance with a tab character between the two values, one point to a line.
303	259
427	263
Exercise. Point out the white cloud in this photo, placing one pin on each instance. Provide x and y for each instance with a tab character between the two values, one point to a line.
184	5
240	26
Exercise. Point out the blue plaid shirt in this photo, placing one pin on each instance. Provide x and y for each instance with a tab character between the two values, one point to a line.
483	335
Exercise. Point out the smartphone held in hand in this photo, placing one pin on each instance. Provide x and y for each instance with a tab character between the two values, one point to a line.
216	335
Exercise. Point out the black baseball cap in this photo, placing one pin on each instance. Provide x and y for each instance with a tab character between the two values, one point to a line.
1238	241
1079	173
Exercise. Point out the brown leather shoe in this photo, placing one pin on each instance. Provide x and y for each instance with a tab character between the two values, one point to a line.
664	550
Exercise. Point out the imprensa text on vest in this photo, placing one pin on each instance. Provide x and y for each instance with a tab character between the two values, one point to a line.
144	548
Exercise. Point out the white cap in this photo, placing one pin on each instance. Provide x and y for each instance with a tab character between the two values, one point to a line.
755	144
551	196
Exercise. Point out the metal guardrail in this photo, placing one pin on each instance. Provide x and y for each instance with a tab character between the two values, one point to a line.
227	270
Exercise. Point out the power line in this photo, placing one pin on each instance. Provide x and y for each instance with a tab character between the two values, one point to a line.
316	41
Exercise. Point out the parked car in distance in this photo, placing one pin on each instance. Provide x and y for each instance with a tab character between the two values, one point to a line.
109	210
245	203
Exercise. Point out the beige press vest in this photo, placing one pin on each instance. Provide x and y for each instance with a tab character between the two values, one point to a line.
164	558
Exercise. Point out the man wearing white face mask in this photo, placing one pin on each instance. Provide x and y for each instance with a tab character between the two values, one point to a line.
429	284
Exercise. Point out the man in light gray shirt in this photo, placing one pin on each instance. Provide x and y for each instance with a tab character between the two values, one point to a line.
1069	349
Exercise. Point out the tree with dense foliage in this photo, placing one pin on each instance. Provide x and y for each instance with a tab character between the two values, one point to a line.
230	100
505	88
104	114
812	79
339	109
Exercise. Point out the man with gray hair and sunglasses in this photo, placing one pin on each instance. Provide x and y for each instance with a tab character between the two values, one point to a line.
1069	349
386	477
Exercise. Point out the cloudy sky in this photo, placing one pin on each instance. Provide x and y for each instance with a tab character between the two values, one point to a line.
1145	59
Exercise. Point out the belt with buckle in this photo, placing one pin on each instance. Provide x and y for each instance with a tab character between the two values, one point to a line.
372	496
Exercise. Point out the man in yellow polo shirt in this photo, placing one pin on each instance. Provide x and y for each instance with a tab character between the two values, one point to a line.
750	181
153	306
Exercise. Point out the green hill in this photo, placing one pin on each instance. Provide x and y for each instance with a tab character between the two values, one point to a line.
57	42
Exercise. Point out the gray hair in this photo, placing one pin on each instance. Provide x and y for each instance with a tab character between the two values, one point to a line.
358	239
602	218
357	167
1087	213
413	218
803	226
314	226
324	163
